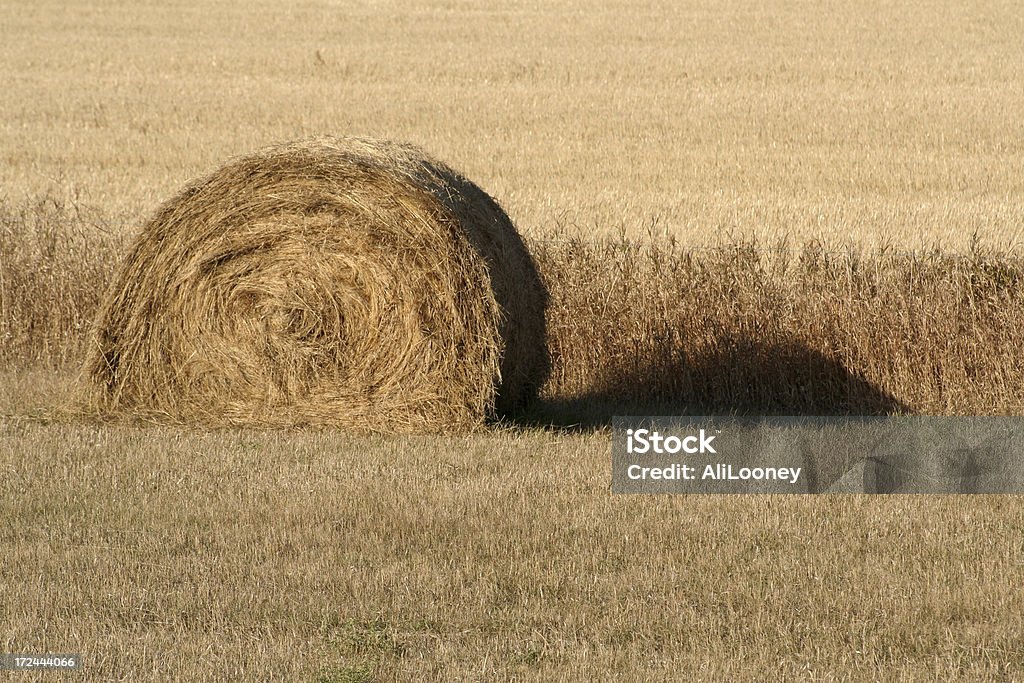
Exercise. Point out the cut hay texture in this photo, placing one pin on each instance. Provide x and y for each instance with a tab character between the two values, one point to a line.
344	282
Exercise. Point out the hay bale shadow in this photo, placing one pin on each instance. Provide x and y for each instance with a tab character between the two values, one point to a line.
740	377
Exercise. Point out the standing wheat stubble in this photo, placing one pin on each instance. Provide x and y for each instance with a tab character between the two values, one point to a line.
345	282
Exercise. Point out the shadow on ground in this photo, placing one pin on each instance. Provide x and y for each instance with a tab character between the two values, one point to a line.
741	377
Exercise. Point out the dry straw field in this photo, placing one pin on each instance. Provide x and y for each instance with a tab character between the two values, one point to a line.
774	208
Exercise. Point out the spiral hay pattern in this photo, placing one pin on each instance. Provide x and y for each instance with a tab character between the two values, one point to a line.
345	282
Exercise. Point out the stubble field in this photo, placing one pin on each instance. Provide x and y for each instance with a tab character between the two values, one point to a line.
775	209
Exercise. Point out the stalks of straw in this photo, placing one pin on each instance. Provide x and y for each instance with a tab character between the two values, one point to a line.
345	282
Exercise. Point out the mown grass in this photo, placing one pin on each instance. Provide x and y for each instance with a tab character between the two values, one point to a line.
847	122
175	554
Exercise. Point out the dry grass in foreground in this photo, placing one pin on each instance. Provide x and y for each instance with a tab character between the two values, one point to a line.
176	555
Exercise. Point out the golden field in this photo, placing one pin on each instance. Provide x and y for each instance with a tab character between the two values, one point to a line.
868	121
781	208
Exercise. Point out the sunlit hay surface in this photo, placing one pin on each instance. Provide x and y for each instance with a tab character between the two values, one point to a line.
345	282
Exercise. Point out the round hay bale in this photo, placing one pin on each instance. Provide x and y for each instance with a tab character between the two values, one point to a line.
345	282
